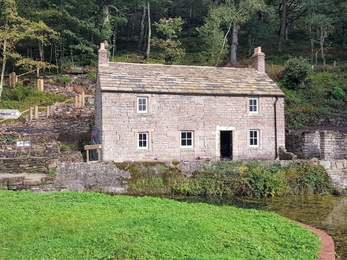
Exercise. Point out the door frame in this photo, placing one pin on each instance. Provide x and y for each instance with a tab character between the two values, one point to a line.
220	128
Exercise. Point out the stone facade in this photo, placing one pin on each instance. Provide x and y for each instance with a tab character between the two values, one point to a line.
209	106
205	116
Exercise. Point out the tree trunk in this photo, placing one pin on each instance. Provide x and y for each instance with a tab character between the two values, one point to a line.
234	43
321	42
4	58
282	31
105	11
41	51
148	51
142	30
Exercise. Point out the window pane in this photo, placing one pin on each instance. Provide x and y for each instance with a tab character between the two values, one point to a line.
253	105
253	137
142	140
187	138
142	104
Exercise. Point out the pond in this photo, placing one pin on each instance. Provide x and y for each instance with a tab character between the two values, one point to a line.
327	213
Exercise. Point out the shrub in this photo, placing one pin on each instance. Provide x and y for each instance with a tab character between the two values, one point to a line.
339	93
62	79
295	72
256	179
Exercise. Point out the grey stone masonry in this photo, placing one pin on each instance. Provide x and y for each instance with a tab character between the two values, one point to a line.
323	145
205	116
234	113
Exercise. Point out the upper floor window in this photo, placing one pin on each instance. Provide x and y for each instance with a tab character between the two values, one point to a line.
254	138
142	105
186	139
253	105
142	140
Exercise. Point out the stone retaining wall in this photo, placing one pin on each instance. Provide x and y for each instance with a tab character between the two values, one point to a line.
114	177
323	145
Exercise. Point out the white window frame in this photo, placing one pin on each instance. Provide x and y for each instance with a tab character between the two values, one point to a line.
186	139
139	105
253	105
142	137
254	139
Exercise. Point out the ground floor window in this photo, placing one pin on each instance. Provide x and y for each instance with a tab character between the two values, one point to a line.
143	140
254	138
186	139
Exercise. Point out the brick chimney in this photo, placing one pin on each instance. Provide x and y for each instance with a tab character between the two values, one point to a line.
258	60
102	55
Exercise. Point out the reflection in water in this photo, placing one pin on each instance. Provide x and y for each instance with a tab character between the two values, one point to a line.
327	213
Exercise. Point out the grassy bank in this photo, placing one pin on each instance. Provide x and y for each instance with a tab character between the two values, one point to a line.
96	226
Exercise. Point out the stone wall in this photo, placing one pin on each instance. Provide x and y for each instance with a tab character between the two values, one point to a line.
29	164
337	170
169	114
323	145
114	177
41	164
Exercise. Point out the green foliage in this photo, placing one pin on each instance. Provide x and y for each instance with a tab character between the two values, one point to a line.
295	72
323	97
339	93
23	97
256	179
60	226
91	76
308	179
170	48
62	79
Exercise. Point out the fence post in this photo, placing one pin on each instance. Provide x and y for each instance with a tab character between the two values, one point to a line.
48	110
13	80
31	114
40	84
36	112
83	100
76	101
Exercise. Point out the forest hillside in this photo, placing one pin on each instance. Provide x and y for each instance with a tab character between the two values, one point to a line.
304	41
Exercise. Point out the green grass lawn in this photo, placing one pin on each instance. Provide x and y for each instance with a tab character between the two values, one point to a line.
70	225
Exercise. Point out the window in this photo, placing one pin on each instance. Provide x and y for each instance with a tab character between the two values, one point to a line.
253	105
254	138
186	139
142	104
143	140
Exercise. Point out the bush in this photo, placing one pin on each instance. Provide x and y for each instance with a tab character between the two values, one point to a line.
295	72
256	179
339	93
62	79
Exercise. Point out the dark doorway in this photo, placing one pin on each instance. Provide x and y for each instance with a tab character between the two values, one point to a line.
226	144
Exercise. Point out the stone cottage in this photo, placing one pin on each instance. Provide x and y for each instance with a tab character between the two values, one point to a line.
148	112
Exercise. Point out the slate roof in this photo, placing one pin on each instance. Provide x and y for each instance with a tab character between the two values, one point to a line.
179	79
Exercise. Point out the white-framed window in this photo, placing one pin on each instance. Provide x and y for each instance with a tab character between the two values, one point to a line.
142	140
254	138
142	105
253	105
186	139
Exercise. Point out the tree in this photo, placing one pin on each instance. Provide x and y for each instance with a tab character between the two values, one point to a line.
288	11
320	20
14	28
228	17
169	27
